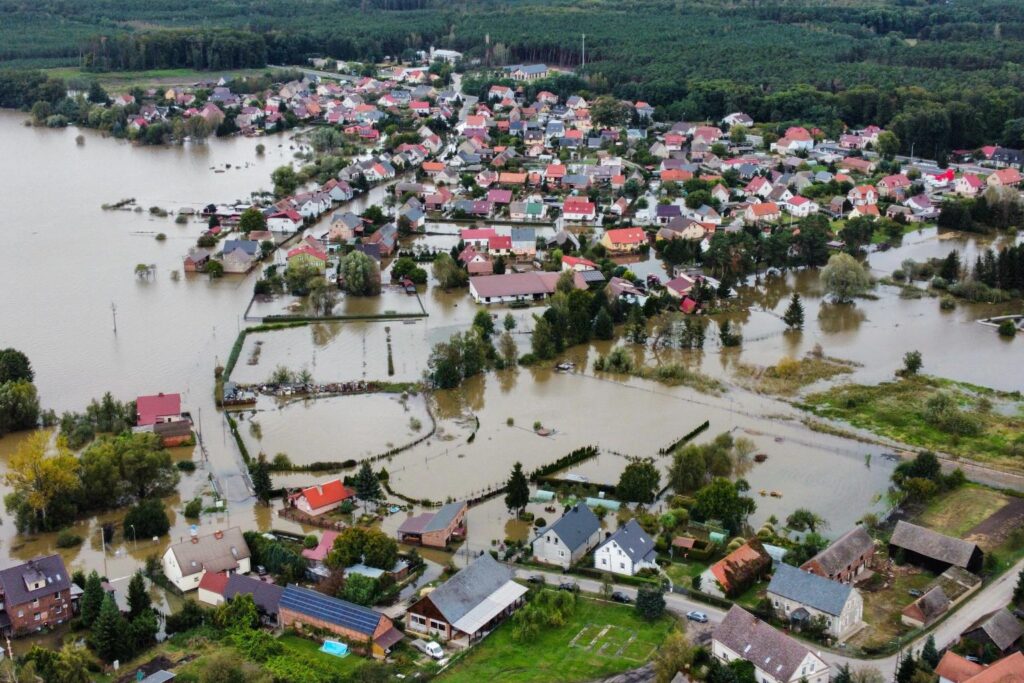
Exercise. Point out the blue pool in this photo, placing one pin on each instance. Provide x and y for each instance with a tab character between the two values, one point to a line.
333	647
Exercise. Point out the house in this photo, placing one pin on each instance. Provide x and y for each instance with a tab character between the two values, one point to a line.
301	607
933	550
801	207
1004	177
926	609
578	209
845	559
499	245
999	630
968	185
435	529
858	165
776	657
565	542
158	408
211	588
510	287
524	243
627	551
893	186
239	256
577	263
862	194
196	260
681	286
305	254
527	211
317	554
798	597
35	595
321	498
765	212
469	605
864	211
265	594
529	72
953	668
623	240
741	568
477	237
185	563
737	119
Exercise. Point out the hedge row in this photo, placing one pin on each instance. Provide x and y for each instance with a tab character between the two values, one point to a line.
679	442
575	457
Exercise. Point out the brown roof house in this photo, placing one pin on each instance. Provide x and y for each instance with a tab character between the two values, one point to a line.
998	629
469	605
741	568
845	558
36	594
776	657
185	563
932	550
955	669
435	529
926	609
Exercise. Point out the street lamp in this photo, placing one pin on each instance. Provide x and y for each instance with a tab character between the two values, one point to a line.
135	540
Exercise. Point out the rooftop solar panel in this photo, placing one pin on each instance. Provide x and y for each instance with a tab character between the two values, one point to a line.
331	610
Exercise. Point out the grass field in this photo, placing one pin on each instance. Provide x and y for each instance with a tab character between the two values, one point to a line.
882	607
599	640
899	410
957	512
789	375
161	77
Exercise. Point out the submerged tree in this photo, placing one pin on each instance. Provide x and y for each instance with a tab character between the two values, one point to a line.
794	316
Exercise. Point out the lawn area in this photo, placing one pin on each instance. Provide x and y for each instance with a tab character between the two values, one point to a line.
682	573
599	640
958	511
168	77
882	607
984	425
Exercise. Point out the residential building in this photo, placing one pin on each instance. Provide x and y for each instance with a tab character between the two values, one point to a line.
800	597
565	542
765	212
934	550
776	657
623	240
186	562
35	595
320	498
470	605
627	551
510	287
954	668
846	558
435	529
360	626
741	568
1004	177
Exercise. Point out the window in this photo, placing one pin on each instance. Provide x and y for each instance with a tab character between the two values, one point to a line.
35	603
35	617
622	565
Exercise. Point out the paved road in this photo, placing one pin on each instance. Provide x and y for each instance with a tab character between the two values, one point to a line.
990	598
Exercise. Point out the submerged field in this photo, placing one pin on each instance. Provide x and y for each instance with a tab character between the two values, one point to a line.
954	418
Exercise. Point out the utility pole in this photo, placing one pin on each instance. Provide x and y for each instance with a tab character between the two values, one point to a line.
583	61
113	309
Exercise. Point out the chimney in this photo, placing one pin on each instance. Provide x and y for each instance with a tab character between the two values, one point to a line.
218	534
195	539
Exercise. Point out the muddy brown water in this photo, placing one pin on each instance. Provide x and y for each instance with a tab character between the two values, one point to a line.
64	261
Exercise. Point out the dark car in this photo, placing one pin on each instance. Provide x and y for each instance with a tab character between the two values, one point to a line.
538	579
567	586
619	596
915	593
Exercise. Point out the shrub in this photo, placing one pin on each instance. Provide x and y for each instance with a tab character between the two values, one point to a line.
947	303
68	539
148	518
160	237
1007	328
310	541
186	465
193	508
540	522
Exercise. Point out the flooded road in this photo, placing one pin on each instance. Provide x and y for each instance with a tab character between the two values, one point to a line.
65	261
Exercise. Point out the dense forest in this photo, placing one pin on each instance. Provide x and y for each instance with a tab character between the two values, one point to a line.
942	75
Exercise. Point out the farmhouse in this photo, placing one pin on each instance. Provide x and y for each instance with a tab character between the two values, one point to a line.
570	538
301	607
185	563
776	657
469	605
933	550
435	529
800	597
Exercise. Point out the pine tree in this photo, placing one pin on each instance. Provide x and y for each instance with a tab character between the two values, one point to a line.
843	675
929	653
261	483
906	669
108	632
604	328
367	484
794	316
517	491
92	599
138	597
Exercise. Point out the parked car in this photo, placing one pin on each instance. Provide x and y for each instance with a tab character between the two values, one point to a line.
699	617
568	586
915	593
537	579
619	596
429	648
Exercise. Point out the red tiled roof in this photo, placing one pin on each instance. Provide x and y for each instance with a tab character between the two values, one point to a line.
149	408
328	493
626	235
215	582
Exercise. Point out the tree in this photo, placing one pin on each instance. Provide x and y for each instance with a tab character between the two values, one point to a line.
542	339
1018	590
19	406
92	599
721	500
252	219
15	366
71	665
142	630
261	482
674	655
929	653
507	349
323	297
888	144
907	668
138	596
950	270
367	484
361	274
803	519
650	603
639	481
843	674
285	180
147	518
604	327
517	490
109	631
448	273
609	112
912	363
214	269
484	324
844	278
607	587
360	589
357	545
39	479
237	614
726	336
509	322
794	316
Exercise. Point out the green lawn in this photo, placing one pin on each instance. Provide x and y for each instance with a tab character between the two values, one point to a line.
957	512
601	639
166	77
682	573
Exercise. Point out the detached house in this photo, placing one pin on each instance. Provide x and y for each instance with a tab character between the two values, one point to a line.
185	563
35	595
776	657
800	597
435	529
1005	177
623	240
370	630
570	538
741	568
321	498
765	212
627	551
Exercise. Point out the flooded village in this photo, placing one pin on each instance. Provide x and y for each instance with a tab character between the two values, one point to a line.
287	371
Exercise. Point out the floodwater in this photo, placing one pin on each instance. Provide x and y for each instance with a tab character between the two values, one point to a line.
65	261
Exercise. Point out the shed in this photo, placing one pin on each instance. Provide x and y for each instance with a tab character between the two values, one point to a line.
607	504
